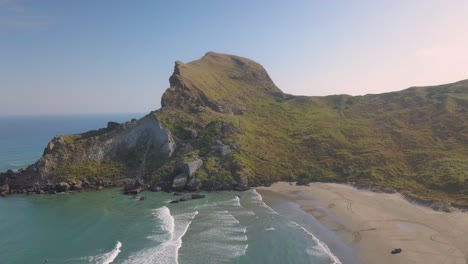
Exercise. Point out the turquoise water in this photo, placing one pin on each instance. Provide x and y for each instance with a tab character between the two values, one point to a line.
106	226
86	227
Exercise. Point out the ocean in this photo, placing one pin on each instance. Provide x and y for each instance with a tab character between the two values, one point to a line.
108	227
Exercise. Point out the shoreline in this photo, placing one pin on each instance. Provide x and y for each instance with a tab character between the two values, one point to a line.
372	224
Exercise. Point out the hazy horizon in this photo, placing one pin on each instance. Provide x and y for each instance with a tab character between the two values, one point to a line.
107	57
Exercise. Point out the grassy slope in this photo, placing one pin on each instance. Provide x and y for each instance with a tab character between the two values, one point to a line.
413	140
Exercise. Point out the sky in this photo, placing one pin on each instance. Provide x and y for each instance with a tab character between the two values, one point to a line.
116	56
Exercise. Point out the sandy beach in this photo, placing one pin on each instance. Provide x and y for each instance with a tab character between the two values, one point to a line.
375	223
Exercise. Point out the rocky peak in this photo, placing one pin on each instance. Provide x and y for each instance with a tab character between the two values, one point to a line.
220	82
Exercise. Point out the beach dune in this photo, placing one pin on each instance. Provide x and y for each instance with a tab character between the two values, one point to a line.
375	223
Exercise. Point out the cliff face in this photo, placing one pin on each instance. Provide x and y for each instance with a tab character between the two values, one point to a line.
111	153
224	124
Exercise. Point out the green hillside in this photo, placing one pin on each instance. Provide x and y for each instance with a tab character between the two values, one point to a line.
225	113
415	139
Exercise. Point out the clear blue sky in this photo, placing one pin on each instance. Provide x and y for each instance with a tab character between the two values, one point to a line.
59	57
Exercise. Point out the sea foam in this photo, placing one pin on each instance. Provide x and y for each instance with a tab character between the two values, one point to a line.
320	245
230	236
257	198
173	228
108	257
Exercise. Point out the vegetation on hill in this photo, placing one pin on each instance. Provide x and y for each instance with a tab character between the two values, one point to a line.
226	111
414	140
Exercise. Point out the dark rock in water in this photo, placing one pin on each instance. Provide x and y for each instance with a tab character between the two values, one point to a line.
62	187
188	197
132	191
241	187
177	193
2	194
135	187
198	196
142	198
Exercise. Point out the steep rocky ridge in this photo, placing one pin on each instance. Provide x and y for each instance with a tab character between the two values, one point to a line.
111	153
224	116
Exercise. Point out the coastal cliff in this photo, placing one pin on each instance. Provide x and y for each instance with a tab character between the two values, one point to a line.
224	124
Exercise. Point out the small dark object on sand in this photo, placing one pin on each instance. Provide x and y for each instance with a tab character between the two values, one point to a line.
396	251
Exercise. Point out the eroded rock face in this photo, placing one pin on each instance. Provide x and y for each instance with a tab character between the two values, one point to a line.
133	146
186	175
191	167
157	138
180	181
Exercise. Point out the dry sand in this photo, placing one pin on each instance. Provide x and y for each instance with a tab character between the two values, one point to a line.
374	223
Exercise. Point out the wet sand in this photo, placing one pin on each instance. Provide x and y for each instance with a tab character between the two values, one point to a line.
375	223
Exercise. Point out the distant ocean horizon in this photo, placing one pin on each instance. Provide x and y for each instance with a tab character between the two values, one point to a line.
108	227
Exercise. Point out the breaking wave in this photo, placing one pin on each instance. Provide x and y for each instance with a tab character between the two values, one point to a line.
108	257
258	199
173	228
322	247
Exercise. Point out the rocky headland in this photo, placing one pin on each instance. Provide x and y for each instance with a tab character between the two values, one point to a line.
225	125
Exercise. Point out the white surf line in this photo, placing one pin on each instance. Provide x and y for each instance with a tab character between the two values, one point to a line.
184	231
113	254
319	243
174	228
168	221
106	258
260	199
237	200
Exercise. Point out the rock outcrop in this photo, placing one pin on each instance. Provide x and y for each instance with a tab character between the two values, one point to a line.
111	153
187	197
186	177
224	124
